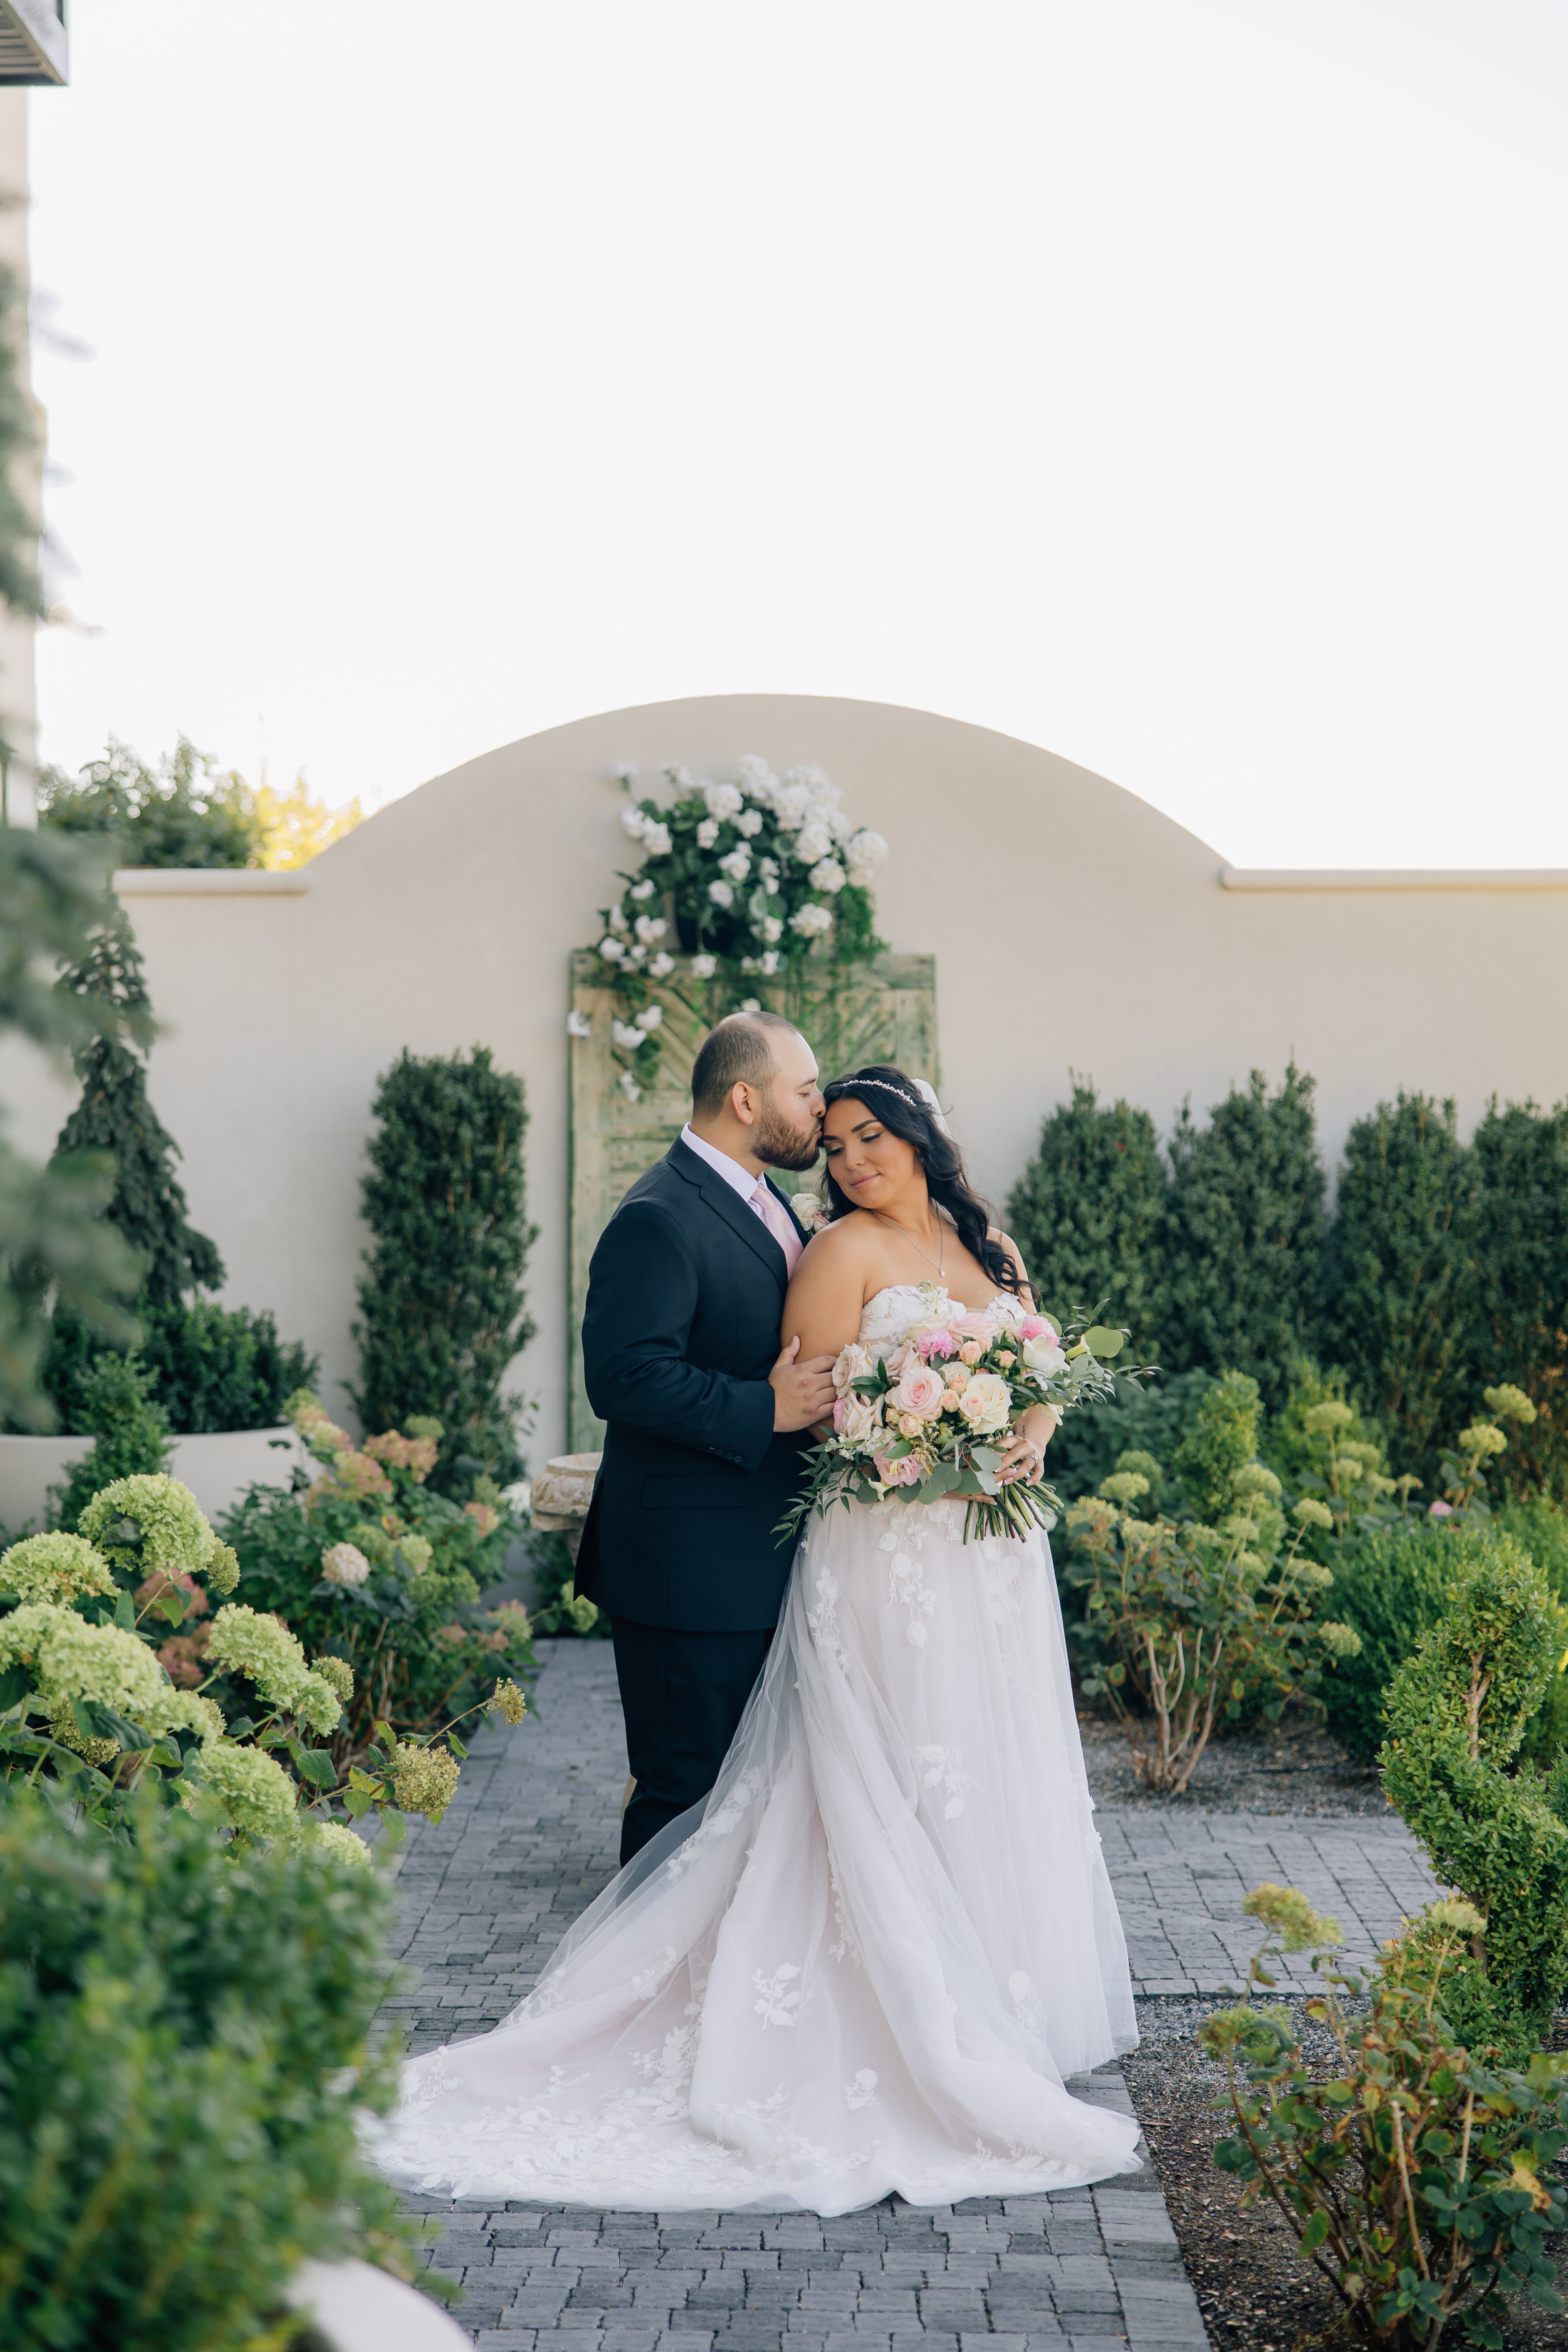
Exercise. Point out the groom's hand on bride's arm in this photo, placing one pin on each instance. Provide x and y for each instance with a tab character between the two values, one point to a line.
802	1392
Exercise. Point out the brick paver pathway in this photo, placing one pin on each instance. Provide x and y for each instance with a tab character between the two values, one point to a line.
529	1839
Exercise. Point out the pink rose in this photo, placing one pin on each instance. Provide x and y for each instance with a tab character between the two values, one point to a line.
935	1343
1439	1510
838	1414
906	1472
1035	1327
970	1352
920	1391
977	1327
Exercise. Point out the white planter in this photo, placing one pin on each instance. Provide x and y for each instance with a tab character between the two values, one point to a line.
217	1468
355	2308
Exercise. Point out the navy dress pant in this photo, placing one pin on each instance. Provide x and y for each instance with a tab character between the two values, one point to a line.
682	1695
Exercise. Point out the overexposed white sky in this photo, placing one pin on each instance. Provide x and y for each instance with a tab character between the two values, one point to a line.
1176	383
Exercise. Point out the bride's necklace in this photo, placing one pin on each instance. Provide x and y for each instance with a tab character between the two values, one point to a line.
938	1261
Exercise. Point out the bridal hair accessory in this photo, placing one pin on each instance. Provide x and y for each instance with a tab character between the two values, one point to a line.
928	1096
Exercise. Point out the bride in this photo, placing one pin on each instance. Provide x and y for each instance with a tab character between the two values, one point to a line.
869	1959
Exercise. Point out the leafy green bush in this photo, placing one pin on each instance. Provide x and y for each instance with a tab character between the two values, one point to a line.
184	2030
441	1298
1149	1420
1403	1280
223	1367
1457	1715
1520	1156
1420	2181
372	1567
186	811
1243	1235
1087	1215
1392	1584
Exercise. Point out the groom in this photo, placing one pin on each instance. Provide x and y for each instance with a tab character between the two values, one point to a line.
705	1419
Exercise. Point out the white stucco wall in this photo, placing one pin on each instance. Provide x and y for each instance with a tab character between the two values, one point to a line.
1075	927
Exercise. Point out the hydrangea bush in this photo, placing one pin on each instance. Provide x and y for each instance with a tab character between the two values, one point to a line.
746	876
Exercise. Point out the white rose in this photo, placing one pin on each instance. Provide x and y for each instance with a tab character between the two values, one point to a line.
723	800
634	825
810	921
816	781
656	840
721	894
737	865
827	875
630	1087
612	949
708	833
628	1038
750	823
768	964
578	1024
791	802
771	929
1044	1356
623	772
642	889
853	1363
651	1015
812	842
650	927
703	967
659	966
861	1420
754	776
986	1403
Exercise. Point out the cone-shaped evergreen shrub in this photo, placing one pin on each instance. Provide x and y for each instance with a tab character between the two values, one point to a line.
1243	1235
1403	1287
1087	1215
1520	1157
114	1116
132	1435
442	1297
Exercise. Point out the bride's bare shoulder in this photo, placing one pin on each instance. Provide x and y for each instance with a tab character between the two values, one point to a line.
841	1245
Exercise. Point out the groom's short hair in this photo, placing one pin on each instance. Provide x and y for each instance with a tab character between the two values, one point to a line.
737	1053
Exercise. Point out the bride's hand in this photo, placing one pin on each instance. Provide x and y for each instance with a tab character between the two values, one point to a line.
1025	1456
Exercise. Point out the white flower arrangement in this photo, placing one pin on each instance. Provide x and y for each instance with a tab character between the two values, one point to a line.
750	873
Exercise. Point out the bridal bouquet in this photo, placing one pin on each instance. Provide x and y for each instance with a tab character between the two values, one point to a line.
931	1419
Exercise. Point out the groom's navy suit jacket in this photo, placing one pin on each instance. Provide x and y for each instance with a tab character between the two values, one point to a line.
684	1293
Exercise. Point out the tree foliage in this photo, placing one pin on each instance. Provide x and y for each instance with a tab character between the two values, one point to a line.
1520	1239
185	812
441	1300
1087	1215
1244	1233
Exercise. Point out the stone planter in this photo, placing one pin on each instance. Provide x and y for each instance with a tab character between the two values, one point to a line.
217	1468
352	2308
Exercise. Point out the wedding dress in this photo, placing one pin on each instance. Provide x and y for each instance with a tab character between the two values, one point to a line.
868	1961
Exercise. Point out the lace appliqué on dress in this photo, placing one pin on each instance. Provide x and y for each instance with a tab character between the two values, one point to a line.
944	1770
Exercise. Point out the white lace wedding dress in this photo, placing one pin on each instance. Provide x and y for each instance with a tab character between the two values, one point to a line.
868	1962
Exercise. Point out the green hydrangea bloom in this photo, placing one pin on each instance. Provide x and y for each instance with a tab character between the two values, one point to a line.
54	1567
1311	1513
424	1780
339	1673
249	1789
189	1711
249	1641
72	1659
331	1841
175	1531
418	1550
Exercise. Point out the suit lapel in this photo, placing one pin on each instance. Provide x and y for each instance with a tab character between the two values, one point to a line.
726	1202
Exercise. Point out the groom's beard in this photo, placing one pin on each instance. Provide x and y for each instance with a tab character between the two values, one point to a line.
780	1146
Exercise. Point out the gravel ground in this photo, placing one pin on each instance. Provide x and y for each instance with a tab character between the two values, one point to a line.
1295	1768
1254	2293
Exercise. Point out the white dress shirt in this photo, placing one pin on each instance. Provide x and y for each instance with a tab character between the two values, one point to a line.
740	1180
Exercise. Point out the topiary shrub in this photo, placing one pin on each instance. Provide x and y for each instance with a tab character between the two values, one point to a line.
441	1299
1392	1584
179	2020
223	1367
1243	1235
1456	1714
132	1435
1087	1215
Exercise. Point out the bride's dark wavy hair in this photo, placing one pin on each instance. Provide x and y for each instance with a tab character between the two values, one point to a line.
890	1096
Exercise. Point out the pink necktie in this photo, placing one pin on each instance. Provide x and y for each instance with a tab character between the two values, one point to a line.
779	1223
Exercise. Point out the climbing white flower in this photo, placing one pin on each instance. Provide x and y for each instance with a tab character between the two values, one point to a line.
655	839
708	833
721	893
811	921
864	852
660	965
628	1038
623	772
612	949
827	875
630	1087
578	1024
617	922
651	1017
812	842
737	865
634	824
723	800
770	930
768	964
642	890
703	967
750	823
